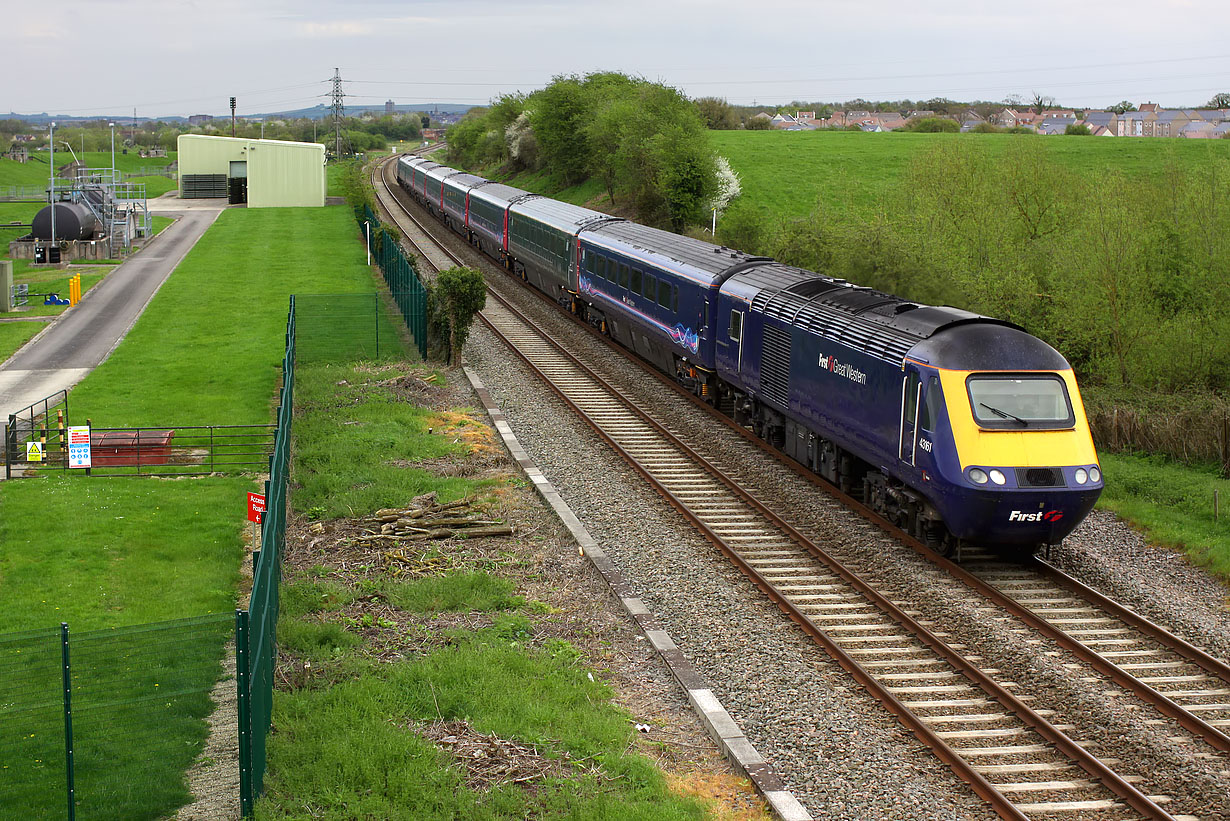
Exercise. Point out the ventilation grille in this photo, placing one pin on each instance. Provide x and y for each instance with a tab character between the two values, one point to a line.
775	366
1039	477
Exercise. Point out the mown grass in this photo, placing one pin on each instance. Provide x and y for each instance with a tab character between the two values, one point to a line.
105	553
208	350
359	448
15	334
1172	504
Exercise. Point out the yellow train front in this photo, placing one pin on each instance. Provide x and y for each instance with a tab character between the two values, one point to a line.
998	437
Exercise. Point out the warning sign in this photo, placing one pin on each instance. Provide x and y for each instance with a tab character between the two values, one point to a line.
256	507
34	451
79	446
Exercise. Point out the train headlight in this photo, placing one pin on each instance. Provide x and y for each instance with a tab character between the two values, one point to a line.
978	476
1081	476
1095	475
997	476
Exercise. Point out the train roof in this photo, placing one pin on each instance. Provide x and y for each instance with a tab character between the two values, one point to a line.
870	321
464	180
499	194
439	172
695	259
562	216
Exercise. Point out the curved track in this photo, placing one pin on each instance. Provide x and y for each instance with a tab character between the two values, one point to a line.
1020	763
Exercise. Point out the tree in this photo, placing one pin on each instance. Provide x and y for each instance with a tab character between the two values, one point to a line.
1042	103
934	125
558	114
1221	100
1122	107
453	301
717	114
1077	130
758	123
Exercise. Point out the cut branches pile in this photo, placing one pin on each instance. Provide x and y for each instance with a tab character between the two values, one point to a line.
426	519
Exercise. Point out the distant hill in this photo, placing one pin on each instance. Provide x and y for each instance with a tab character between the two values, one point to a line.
316	112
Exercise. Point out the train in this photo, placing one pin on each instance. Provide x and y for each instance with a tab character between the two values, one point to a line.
959	428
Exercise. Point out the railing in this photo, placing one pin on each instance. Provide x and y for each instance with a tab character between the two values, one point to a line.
44	422
23	193
192	450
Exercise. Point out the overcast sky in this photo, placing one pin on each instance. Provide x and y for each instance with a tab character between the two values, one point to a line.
187	56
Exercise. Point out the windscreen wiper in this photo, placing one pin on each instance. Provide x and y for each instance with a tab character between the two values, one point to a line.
1004	414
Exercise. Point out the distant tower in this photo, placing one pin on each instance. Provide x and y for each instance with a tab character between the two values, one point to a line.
389	108
337	111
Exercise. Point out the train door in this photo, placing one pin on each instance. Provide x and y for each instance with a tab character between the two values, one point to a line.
911	392
736	338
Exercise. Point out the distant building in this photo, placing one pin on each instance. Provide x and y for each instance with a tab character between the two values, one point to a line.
199	119
389	108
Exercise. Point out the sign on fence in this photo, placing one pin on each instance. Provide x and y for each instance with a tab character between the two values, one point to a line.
34	451
256	506
79	446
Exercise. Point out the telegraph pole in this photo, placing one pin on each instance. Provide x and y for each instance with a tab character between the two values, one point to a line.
232	116
338	111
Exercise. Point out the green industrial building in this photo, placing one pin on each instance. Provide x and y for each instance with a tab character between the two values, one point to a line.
262	173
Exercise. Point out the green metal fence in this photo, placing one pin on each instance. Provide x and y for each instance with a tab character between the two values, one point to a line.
255	628
399	274
102	724
344	328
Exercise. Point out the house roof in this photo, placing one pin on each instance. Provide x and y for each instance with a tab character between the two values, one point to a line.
1148	108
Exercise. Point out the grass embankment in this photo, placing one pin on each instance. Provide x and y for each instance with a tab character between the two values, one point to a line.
376	667
1172	504
37	172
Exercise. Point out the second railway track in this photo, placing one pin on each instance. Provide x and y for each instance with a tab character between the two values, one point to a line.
1015	759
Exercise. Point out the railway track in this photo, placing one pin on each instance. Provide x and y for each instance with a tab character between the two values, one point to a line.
1023	765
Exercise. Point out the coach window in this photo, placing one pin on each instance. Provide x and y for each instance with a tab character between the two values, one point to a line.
675	298
623	275
664	293
650	290
736	326
589	263
635	285
600	266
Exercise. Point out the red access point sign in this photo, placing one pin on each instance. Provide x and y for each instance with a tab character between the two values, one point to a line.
256	507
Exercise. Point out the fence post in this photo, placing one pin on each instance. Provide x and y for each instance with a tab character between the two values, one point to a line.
68	721
376	306
244	692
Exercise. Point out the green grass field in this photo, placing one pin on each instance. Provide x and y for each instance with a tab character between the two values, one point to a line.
15	334
209	348
786	173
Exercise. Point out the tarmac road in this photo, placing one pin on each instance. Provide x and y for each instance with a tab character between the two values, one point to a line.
86	334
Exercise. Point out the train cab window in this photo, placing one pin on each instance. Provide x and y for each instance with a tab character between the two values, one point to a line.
1020	401
930	413
664	293
911	397
635	285
736	326
623	275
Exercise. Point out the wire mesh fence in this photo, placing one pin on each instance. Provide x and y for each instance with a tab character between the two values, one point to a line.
256	628
341	328
400	275
103	724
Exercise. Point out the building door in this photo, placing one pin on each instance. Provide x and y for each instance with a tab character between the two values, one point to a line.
237	182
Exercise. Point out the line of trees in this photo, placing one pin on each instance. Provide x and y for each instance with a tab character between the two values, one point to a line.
1128	277
644	141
